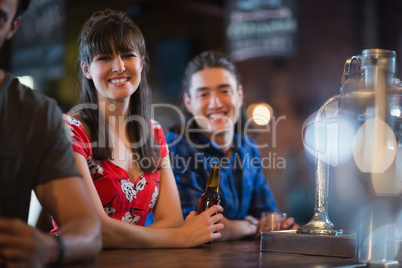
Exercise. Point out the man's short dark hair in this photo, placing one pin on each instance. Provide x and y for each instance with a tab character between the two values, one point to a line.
22	7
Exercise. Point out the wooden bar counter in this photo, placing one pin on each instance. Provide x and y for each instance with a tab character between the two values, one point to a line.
245	253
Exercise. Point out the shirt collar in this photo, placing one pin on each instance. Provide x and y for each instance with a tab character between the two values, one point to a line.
210	147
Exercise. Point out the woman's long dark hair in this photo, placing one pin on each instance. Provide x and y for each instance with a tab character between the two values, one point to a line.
103	32
206	60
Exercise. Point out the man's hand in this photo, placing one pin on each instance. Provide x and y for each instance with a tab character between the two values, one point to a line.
288	224
23	246
239	229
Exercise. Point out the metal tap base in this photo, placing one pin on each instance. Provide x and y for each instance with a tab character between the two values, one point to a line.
387	264
289	241
320	224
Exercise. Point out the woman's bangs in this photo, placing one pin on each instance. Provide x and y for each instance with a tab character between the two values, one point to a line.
124	43
99	44
113	36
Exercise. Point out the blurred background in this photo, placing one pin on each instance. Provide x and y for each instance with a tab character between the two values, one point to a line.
290	55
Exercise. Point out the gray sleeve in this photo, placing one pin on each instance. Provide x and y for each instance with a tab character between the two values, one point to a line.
57	160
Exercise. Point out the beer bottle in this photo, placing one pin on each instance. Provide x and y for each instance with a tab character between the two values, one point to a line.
211	196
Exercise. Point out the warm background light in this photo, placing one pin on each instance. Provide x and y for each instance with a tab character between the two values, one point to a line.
261	113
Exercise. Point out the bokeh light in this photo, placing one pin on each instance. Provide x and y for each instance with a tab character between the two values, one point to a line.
377	237
374	146
329	139
380	245
261	113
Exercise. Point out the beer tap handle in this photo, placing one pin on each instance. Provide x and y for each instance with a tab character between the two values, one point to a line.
352	70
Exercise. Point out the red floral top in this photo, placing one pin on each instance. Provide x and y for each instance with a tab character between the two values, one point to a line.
122	197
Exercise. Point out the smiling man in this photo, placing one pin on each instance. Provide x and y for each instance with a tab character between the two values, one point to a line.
214	132
36	155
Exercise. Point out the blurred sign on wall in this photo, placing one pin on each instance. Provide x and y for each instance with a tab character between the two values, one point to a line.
38	48
259	28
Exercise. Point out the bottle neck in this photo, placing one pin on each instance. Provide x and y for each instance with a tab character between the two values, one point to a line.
213	180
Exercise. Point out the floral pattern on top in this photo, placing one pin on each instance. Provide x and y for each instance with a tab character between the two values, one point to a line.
123	198
109	209
156	124
154	197
129	217
94	166
128	189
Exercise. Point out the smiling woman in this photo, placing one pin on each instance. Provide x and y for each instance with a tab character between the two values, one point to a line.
116	76
120	151
112	57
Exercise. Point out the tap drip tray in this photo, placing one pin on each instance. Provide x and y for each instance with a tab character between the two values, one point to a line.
289	241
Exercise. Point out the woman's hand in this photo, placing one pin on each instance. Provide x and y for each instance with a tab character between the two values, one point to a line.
202	228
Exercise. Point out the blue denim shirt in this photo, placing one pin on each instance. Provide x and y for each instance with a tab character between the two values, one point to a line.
242	186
